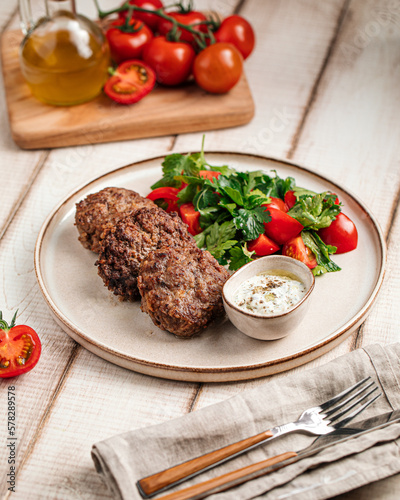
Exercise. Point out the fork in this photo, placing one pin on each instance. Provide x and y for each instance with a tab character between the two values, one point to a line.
318	420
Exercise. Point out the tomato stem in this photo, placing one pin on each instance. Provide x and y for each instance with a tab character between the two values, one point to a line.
3	323
199	37
183	9
127	27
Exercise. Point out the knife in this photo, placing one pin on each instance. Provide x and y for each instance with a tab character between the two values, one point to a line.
237	477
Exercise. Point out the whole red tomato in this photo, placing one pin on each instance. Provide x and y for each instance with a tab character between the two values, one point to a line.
172	61
128	45
218	68
151	20
342	234
190	18
20	348
238	31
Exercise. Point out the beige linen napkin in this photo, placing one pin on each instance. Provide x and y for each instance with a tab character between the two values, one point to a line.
125	458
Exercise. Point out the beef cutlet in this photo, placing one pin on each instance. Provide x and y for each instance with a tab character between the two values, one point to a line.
126	245
181	290
98	212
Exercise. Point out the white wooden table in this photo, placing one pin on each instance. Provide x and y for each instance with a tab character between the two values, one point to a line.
325	79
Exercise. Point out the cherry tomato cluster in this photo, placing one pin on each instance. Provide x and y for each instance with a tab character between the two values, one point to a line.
152	44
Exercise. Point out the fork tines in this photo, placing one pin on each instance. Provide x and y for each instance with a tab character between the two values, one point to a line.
347	400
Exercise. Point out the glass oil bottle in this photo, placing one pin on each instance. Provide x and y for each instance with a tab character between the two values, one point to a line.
64	56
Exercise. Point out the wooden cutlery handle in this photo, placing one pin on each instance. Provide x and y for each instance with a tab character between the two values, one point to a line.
229	480
151	484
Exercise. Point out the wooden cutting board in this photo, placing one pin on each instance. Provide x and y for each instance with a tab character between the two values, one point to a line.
164	111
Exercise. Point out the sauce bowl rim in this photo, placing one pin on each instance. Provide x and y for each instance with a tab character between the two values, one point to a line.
229	302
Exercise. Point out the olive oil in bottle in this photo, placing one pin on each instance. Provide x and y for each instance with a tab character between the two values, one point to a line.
65	57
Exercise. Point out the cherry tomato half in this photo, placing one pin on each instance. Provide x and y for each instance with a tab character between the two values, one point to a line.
236	30
296	249
282	226
218	68
191	217
151	20
127	45
20	349
342	234
172	61
167	195
132	80
189	18
263	246
277	203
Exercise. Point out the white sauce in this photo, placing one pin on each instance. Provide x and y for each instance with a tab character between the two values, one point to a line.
271	292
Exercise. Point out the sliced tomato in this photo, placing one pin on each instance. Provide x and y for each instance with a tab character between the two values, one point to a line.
277	203
342	234
290	199
191	217
167	195
282	226
131	81
296	249
20	349
263	246
209	174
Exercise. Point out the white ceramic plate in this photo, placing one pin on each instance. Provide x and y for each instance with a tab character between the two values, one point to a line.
119	332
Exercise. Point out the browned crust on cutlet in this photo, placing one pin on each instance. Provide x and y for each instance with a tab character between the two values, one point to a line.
127	244
182	290
98	213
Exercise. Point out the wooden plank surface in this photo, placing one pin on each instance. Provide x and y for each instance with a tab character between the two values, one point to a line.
299	79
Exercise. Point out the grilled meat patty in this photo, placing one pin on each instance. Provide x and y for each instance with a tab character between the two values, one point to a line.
98	212
181	289
125	246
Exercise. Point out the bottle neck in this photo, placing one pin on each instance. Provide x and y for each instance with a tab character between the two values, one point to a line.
54	6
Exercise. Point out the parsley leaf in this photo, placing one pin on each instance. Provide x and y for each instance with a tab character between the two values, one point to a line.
178	164
299	191
321	252
239	256
251	222
175	165
224	170
234	195
187	193
218	238
315	212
